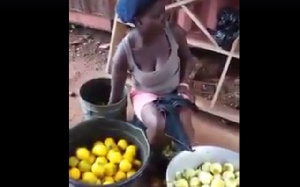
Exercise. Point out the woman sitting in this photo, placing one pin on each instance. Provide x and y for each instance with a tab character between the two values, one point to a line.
157	55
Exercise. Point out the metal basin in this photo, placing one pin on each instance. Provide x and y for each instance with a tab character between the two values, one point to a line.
185	160
88	132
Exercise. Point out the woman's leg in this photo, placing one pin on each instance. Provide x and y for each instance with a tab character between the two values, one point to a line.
147	112
155	123
186	120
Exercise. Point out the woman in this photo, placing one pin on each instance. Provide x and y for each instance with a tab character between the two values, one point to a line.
157	55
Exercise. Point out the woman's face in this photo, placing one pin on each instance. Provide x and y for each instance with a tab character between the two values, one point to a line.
153	21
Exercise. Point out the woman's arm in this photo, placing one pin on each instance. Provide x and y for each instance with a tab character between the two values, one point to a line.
119	75
187	61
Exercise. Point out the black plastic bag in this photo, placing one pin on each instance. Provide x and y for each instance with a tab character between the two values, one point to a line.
228	27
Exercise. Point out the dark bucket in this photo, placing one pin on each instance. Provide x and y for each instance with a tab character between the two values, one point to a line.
94	95
86	133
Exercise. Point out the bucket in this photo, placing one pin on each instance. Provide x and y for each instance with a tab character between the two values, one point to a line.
94	95
88	132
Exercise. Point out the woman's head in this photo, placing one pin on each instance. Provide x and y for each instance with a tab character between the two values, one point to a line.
146	15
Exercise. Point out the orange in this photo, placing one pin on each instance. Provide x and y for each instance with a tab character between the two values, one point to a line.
122	144
125	165
74	173
98	170
101	160
109	143
115	157
137	163
110	169
130	173
99	150
83	153
120	175
89	177
92	159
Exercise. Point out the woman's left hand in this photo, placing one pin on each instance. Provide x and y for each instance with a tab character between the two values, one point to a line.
185	92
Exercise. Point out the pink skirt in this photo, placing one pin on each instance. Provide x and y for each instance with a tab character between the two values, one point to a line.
140	99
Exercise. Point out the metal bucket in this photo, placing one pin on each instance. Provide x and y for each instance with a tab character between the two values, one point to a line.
185	160
86	133
94	95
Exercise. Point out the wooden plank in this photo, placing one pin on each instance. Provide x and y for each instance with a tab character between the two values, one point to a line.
178	4
218	110
91	21
199	24
200	43
223	75
118	33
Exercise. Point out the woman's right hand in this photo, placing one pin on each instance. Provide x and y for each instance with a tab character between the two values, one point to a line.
185	92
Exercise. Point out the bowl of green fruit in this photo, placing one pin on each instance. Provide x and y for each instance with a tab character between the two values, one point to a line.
207	166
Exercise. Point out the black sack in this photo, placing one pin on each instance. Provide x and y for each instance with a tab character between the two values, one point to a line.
228	27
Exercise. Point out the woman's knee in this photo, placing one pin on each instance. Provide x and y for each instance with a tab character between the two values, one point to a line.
160	124
156	124
153	119
185	114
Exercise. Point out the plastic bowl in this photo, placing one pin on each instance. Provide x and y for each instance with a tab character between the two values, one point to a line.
185	160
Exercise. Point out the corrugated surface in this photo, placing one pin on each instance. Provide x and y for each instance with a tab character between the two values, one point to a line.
104	8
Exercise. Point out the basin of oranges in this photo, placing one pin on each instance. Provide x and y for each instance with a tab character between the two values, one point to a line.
108	162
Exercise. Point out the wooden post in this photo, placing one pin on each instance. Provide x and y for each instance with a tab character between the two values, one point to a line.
118	32
222	78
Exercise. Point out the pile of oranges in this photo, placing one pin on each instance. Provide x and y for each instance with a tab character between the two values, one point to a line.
106	163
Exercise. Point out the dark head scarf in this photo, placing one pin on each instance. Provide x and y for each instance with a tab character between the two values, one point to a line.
128	10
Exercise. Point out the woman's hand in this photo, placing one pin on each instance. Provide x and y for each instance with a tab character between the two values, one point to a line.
185	92
118	75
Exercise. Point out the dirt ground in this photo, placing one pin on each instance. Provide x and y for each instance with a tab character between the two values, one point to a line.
207	78
87	58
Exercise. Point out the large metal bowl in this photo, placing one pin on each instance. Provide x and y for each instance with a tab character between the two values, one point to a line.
87	132
185	160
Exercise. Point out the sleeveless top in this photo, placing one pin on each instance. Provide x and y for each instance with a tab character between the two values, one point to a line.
161	81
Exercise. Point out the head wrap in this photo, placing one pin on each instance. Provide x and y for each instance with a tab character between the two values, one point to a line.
128	10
